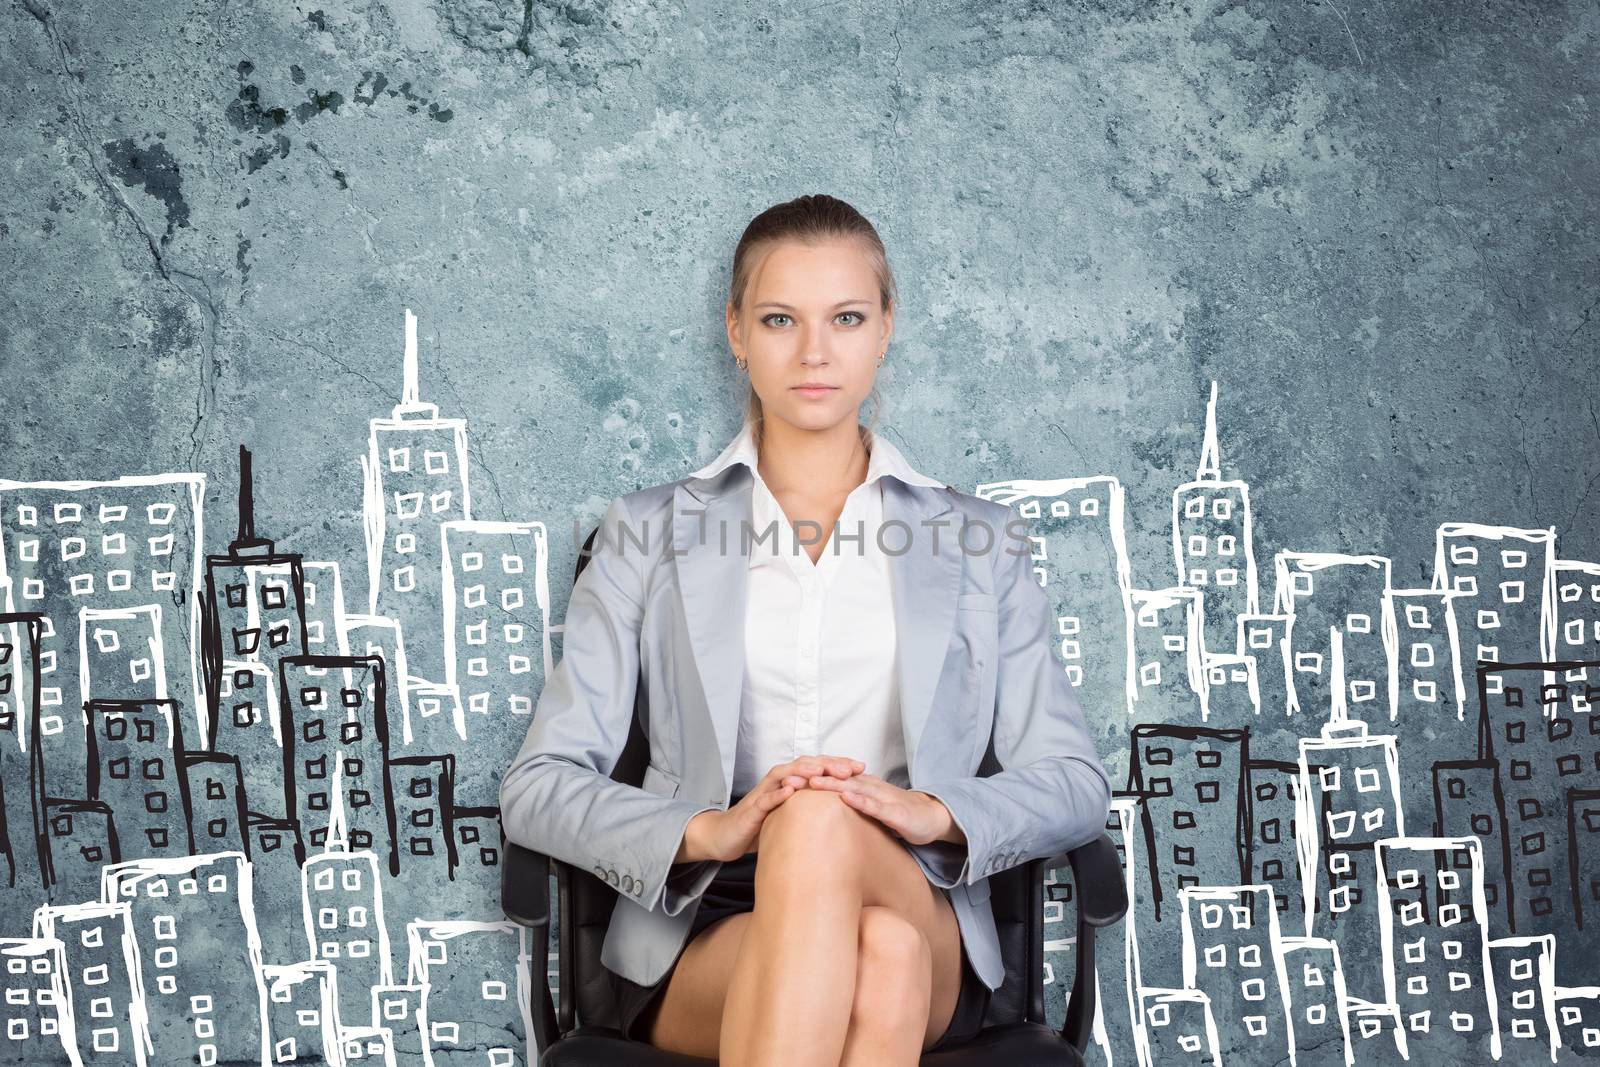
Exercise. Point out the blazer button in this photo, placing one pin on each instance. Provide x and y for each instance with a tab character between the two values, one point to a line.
611	876
599	872
637	887
627	883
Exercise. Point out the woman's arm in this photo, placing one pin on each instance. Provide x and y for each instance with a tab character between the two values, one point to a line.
557	797
1052	794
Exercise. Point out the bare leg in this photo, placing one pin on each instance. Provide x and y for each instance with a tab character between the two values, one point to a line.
792	992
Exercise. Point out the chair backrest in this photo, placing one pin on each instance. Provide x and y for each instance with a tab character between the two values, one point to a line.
587	902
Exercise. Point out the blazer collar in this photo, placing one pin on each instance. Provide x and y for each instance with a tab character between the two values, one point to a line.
712	508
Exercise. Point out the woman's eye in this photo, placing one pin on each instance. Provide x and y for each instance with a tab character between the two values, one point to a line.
775	315
857	314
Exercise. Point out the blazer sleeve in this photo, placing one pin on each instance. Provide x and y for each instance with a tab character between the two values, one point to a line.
557	797
1052	794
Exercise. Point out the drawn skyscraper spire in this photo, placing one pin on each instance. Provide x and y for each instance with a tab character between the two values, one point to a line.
415	474
1211	542
247	543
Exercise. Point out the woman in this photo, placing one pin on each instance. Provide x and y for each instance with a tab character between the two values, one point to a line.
785	895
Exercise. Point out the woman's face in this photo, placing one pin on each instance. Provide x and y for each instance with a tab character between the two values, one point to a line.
811	316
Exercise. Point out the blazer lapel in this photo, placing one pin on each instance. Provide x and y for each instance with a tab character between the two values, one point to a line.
709	516
708	519
925	585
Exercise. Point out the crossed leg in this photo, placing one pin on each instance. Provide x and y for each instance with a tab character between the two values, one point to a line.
851	956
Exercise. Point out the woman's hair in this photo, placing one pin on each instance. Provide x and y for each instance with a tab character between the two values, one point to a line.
811	219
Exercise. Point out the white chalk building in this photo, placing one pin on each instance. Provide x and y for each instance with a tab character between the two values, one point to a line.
100	980
1336	596
126	543
21	790
1424	649
415	481
1577	606
477	976
189	909
497	640
1178	1029
302	1013
1267	637
120	655
1317	995
1524	973
1166	647
1506	581
35	1014
1351	801
1080	521
1233	952
1435	943
1212	543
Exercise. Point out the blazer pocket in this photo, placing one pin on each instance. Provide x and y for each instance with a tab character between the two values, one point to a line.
976	602
661	783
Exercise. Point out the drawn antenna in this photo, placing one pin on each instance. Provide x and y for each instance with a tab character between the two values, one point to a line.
247	539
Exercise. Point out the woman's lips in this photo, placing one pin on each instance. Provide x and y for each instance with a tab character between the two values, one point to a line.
814	390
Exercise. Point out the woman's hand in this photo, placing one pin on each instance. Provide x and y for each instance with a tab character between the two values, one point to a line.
916	817
727	835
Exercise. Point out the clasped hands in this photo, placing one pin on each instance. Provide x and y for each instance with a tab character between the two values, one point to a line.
917	818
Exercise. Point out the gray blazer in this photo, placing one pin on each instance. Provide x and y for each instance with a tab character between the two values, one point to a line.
976	655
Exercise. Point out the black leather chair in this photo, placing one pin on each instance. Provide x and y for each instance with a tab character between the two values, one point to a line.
584	1030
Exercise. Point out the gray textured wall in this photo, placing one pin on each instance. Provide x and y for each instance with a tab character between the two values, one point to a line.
1374	225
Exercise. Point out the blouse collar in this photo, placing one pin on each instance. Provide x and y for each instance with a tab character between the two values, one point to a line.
883	458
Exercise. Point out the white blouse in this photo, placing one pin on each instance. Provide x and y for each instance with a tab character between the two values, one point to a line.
820	641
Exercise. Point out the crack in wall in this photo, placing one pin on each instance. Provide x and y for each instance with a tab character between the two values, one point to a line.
192	285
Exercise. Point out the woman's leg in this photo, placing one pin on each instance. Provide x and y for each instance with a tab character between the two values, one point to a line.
803	962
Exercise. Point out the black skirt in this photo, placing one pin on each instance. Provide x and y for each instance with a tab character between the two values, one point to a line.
733	890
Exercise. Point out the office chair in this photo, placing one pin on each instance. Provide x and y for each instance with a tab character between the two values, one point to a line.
585	1030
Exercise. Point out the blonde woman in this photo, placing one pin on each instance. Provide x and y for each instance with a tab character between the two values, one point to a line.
802	873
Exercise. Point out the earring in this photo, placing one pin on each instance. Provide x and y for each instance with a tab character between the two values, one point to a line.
882	354
742	364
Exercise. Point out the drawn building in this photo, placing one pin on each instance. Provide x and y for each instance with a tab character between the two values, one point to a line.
21	772
1352	801
324	609
35	1014
218	818
1080	520
1233	952
342	908
254	607
1319	1004
302	1013
134	769
79	837
193	908
1332	593
1424	649
497	639
1435	943
334	719
70	545
1268	637
1578	1019
1192	785
1524	972
1179	1028
1212	543
477	999
423	808
100	980
402	1010
1272	819
415	480
1166	644
1535	722
1506	581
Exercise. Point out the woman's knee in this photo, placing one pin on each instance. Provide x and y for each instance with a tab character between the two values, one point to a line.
894	970
809	815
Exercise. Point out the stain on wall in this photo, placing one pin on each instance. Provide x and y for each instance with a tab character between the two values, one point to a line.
1374	228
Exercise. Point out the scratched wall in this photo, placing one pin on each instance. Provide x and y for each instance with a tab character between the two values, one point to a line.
1374	228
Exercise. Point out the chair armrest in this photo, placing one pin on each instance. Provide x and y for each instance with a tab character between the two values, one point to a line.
525	898
525	886
1102	891
1102	900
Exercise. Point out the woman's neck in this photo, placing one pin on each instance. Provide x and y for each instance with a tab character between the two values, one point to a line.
813	461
